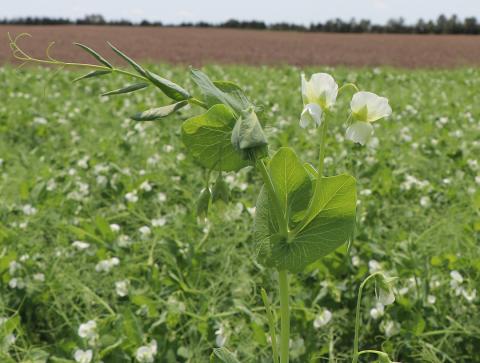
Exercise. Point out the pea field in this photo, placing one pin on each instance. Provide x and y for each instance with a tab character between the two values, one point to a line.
103	257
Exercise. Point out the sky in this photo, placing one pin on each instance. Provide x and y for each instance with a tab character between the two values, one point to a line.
292	11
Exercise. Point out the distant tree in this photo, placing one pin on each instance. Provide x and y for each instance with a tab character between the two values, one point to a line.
93	19
471	26
442	25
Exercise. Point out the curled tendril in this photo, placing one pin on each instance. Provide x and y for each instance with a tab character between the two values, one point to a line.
23	56
47	52
18	52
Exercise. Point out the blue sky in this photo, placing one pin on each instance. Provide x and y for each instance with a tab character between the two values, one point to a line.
295	11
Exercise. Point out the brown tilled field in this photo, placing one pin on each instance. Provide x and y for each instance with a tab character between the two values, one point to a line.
200	46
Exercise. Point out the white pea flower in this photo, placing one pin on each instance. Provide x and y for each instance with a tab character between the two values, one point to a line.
115	227
456	276
469	295
366	108
16	283
162	197
80	245
220	336
146	186
107	265
311	114
374	266
132	197
28	210
319	94
40	277
83	356
121	288
88	330
431	299
9	340
385	290
13	267
377	311
145	231
146	353
425	201
322	319
159	222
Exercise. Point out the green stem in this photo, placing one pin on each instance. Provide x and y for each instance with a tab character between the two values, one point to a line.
357	316
285	316
277	210
271	325
321	154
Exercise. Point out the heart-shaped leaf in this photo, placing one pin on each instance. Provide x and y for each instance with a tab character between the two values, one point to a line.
327	225
208	138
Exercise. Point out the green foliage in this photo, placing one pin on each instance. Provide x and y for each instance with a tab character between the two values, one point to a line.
220	191
226	93
208	139
317	226
55	139
223	355
247	136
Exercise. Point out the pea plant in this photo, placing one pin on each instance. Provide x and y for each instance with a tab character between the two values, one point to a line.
301	214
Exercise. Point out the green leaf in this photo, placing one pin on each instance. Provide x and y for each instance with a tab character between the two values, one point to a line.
290	180
207	138
131	328
91	75
223	355
129	60
231	95
170	89
96	55
329	226
159	112
127	89
247	136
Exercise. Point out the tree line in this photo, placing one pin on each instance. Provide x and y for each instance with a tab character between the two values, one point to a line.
442	25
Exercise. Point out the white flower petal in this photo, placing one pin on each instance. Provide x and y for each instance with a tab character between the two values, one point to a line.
312	113
386	296
367	106
359	132
321	89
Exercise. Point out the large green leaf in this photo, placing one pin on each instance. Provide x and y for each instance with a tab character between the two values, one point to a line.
290	180
223	355
208	138
226	93
328	225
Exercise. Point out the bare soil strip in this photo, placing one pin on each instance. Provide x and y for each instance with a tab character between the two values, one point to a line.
227	46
